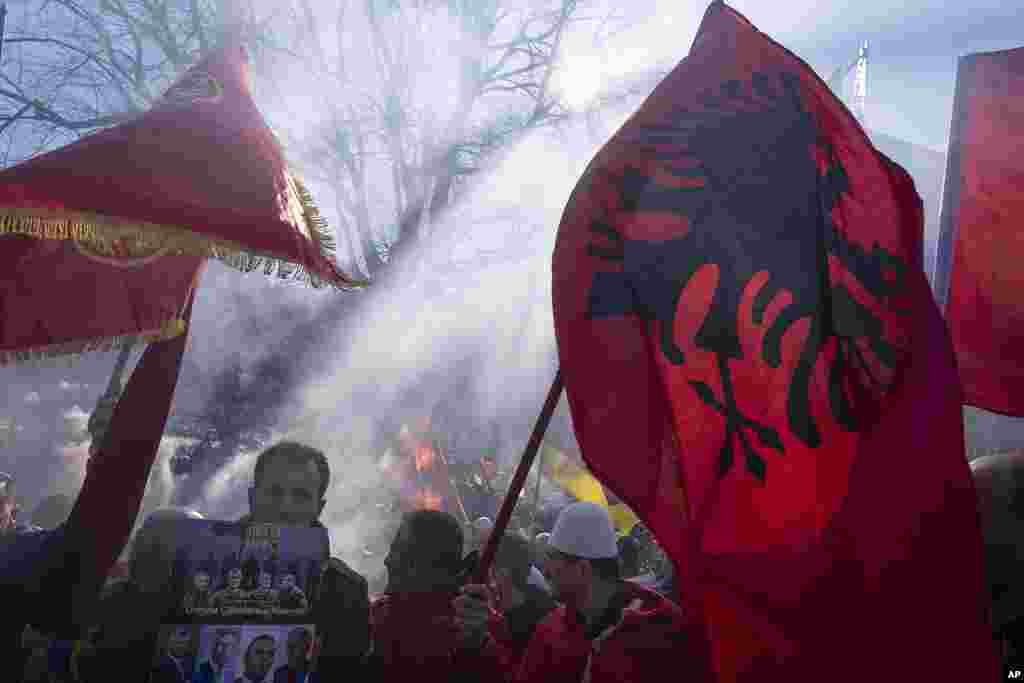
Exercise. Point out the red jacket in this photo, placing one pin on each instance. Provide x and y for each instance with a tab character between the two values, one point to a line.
649	638
414	636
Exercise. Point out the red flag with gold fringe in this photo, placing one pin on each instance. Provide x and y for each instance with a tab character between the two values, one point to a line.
104	513
198	175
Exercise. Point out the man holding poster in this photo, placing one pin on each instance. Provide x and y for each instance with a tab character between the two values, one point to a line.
290	483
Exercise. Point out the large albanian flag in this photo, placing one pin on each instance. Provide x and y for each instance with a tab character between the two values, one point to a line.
755	364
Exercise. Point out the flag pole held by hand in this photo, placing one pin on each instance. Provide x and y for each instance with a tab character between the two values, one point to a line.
516	486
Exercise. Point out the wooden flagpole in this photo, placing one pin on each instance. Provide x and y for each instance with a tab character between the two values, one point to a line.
516	486
536	490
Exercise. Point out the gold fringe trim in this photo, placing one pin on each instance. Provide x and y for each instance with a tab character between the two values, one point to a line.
69	352
123	241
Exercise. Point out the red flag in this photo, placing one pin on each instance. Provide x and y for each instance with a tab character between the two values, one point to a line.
199	174
756	366
111	494
57	301
982	215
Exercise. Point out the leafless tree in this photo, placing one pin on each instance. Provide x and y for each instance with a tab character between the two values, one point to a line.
389	105
72	66
417	96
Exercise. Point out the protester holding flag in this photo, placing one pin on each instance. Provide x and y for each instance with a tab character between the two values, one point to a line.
606	629
755	365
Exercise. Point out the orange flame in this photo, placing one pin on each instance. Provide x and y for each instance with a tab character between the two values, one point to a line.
428	500
424	457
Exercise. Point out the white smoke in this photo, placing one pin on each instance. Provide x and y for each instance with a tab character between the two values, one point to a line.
484	289
76	422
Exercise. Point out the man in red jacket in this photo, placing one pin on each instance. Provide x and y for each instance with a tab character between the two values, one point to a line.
606	630
412	623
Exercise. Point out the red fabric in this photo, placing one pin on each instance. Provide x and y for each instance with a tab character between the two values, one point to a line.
756	366
115	481
211	166
653	638
415	636
985	211
502	648
54	295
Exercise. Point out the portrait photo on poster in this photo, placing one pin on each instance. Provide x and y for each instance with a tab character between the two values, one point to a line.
240	601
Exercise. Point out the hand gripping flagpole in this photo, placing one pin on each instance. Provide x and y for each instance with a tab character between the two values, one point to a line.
516	486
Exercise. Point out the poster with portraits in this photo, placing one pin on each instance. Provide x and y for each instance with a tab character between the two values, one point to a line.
241	603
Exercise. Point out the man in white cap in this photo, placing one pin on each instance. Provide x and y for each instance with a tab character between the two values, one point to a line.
606	629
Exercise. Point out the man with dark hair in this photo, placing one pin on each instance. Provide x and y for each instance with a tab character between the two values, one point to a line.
426	555
412	624
297	669
606	629
522	604
199	595
290	482
232	594
265	595
289	595
289	485
221	654
259	658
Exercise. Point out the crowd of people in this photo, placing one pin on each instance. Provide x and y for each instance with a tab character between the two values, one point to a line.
571	601
553	590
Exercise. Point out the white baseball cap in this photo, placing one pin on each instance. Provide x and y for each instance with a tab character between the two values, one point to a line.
585	530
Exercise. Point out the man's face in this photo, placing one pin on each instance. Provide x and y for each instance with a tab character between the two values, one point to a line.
287	494
260	657
298	646
224	648
566	575
201	581
489	468
288	582
178	643
235	578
